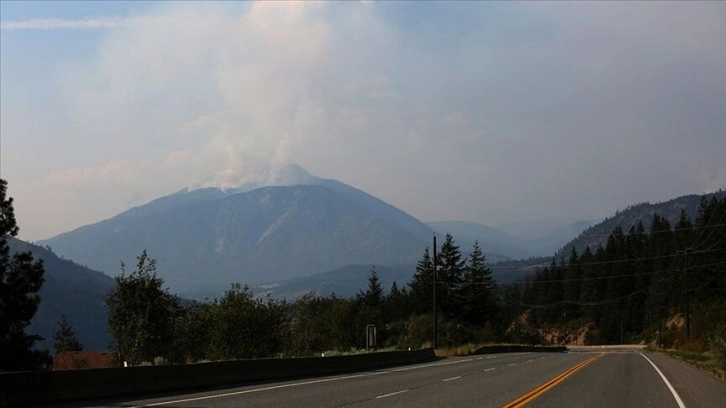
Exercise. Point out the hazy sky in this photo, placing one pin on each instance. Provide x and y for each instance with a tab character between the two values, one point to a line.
486	112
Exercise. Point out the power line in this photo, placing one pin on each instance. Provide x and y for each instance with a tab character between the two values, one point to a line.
610	262
696	244
585	235
573	302
651	273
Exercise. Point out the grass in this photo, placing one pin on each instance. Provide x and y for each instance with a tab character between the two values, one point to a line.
704	360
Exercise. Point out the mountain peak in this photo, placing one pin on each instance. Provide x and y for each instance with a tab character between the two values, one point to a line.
248	178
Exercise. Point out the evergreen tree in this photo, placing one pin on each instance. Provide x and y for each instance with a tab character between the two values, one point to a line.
683	231
373	296
65	338
449	278
140	313
422	285
477	291
396	304
590	287
20	280
571	287
394	290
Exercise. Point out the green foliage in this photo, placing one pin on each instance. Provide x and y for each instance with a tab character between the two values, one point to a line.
245	327
192	330
479	305
20	280
421	285
141	314
318	324
449	278
65	338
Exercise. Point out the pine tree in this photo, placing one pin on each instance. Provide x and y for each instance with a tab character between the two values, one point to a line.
477	291
449	278
683	231
589	288
373	296
65	338
394	290
422	285
572	287
20	280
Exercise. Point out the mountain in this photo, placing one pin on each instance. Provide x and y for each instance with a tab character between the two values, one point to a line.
502	246
209	238
497	244
554	240
344	282
532	228
72	290
598	234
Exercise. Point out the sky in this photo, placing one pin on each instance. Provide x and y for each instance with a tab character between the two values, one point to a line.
479	111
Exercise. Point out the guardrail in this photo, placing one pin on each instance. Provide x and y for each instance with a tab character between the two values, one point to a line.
519	349
45	387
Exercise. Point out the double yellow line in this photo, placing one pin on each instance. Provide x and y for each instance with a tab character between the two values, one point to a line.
528	397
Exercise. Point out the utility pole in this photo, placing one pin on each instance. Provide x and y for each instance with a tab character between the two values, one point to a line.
433	340
688	300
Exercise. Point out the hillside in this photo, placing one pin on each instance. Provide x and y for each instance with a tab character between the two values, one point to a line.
598	234
73	290
210	238
343	282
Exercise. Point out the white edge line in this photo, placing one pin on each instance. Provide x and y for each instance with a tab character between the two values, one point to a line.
274	387
391	394
668	383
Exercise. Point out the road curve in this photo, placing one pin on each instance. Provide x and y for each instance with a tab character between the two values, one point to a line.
590	377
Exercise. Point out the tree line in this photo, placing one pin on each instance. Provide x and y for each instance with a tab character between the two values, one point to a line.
147	322
628	288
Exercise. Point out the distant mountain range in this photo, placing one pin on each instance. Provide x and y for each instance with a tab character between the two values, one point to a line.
207	238
502	246
72	290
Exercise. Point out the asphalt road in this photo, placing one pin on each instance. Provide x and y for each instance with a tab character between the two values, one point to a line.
585	378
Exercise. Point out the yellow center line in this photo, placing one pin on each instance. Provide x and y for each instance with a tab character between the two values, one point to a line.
528	397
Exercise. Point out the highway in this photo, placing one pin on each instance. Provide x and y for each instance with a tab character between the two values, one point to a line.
591	377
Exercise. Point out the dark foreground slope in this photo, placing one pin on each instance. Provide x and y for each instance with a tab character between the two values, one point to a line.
72	290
